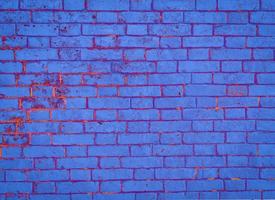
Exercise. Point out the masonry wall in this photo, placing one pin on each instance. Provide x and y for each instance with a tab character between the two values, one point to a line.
137	99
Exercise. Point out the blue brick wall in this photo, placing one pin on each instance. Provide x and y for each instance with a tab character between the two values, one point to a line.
137	99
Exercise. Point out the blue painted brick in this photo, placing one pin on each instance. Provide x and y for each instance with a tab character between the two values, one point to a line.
44	175
110	186
238	5
77	187
69	163
13	187
106	5
47	187
245	30
36	4
202	29
74	5
174	185
203	185
9	4
210	5
136	29
105	139
172	17
42	151
80	175
173	5
129	186
110	163
204	17
44	163
203	41
73	151
181	173
112	174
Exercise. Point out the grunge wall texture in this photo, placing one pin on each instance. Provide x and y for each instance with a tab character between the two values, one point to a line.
137	99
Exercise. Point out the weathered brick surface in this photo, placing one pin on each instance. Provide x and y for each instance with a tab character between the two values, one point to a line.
137	99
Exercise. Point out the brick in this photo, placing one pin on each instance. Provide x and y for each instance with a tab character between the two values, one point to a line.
77	187
106	5
137	139
103	29
163	79
101	54
268	5
237	149
7	29
133	67
133	41
105	127
181	173
201	5
140	91
261	90
261	42
71	163
205	161
44	175
13	187
235	42
166	150
259	66
230	54
248	30
263	54
262	17
14	17
37	29
203	137
72	139
205	90
42	151
136	29
202	41
107	16
239	173
174	5
74	17
261	137
238	5
45	187
196	185
38	54
112	174
139	17
202	29
108	151
170	30
234	125
172	17
168	126
36	4
198	54
129	186
140	5
141	162
236	78
158	54
17	164
7	4
109	102
74	5
75	41
144	173
204	17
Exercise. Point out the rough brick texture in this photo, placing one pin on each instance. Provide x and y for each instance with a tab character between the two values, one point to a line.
137	99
